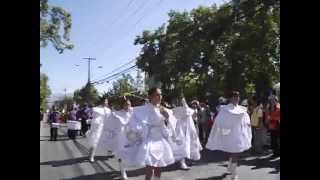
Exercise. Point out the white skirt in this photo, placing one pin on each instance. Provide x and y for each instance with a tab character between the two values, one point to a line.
153	151
95	132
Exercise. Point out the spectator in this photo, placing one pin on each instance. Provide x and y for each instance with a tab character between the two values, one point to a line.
274	126
257	126
202	123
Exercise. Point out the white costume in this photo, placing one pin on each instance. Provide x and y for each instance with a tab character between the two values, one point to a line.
100	115
148	138
113	136
231	131
186	133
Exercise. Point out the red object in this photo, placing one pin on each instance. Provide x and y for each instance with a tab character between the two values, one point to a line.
210	123
274	121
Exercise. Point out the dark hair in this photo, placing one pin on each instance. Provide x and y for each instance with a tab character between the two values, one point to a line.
234	93
123	101
152	91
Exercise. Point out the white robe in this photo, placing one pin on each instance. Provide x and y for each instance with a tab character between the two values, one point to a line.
231	131
188	145
148	139
100	115
114	131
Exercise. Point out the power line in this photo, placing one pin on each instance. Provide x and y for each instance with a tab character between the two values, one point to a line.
134	25
110	25
126	64
117	76
114	75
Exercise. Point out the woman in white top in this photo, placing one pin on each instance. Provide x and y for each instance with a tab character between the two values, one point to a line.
186	133
231	132
100	114
114	134
149	134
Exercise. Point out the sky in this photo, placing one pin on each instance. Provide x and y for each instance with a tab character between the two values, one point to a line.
105	30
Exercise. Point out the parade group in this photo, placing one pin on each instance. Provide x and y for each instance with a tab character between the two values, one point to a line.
155	135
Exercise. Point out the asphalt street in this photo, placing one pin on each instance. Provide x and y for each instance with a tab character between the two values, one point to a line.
68	160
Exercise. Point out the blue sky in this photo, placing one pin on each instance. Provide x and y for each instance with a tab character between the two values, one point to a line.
105	30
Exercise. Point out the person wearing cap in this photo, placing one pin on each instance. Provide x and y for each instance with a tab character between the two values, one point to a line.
273	121
231	132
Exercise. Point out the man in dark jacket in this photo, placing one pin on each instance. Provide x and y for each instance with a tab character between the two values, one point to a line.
54	117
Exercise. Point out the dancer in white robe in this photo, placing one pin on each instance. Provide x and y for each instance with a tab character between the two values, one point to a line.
114	133
186	133
100	115
231	132
149	133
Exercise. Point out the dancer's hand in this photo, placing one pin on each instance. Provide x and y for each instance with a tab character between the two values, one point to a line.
164	112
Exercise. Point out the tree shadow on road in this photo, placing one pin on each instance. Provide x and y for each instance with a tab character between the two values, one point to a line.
64	139
262	163
214	177
98	176
68	162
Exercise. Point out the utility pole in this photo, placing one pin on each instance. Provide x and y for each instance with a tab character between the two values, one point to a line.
89	67
65	92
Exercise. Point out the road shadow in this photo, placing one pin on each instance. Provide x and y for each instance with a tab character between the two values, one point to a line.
223	176
57	136
68	162
98	176
55	141
262	163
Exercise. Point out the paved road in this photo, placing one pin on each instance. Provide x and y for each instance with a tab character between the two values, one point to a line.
67	160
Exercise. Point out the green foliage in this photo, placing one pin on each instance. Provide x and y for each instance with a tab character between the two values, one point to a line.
44	91
65	103
55	26
212	50
87	94
125	86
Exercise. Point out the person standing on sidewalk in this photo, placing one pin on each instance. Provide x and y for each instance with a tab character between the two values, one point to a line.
274	126
257	125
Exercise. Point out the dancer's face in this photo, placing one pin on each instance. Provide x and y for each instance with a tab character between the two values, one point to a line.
127	105
235	99
156	97
106	102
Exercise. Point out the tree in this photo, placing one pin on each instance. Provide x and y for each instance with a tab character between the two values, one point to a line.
55	26
87	94
208	51
65	103
44	91
125	86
